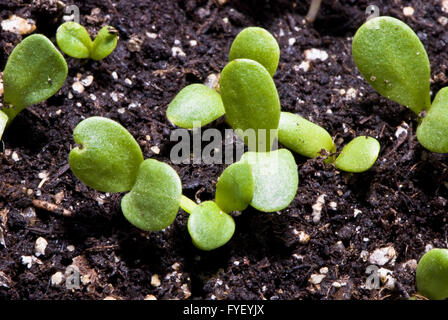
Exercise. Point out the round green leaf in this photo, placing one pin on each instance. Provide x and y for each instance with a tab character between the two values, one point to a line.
432	132
105	42
276	179
256	44
108	158
3	122
235	187
153	202
358	155
303	136
195	103
74	40
251	101
209	226
392	59
35	71
432	274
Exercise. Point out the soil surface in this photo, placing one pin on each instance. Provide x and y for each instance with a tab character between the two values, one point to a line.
400	204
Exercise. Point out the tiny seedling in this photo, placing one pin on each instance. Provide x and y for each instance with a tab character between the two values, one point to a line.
109	159
394	62
256	44
34	72
75	41
432	274
310	140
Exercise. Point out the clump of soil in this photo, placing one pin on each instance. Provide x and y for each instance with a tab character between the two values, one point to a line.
400	204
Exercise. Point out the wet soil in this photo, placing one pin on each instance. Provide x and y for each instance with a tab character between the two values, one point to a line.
401	202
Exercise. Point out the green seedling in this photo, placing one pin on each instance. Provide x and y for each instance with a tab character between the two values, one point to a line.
235	187
250	100
154	200
432	132
256	44
275	179
358	155
209	226
75	41
107	158
34	72
310	140
195	104
110	160
392	59
432	274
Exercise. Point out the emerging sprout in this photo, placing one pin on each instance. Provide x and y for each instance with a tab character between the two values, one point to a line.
392	59
35	71
313	10
275	179
108	158
256	44
154	200
432	274
251	100
309	139
75	41
195	103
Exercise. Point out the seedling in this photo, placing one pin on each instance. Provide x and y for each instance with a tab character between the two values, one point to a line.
35	71
110	160
310	140
432	274
75	41
394	62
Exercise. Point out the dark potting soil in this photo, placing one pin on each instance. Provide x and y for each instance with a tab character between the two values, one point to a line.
400	203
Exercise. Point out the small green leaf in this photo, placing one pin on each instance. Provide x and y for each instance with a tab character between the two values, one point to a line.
276	179
105	42
358	155
394	62
251	101
432	132
235	187
209	226
303	136
108	158
74	40
153	202
3	122
35	71
432	274
256	44
195	103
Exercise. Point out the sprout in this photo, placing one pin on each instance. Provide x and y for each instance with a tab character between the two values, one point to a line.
108	158
75	41
313	10
34	72
235	187
154	200
275	179
432	274
256	44
251	100
393	61
310	140
209	226
195	103
3	122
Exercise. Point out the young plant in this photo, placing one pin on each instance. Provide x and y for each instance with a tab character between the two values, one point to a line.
432	274
75	41
109	159
35	71
310	140
394	62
